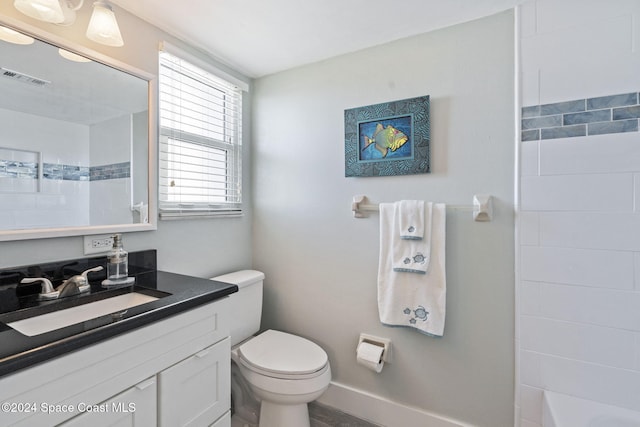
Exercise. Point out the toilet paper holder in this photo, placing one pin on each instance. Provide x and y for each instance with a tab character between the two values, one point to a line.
382	342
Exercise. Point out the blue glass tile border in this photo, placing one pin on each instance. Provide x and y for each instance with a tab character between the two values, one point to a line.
612	101
16	169
114	171
582	117
55	171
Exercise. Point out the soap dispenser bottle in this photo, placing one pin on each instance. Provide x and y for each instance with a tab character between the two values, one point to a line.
117	261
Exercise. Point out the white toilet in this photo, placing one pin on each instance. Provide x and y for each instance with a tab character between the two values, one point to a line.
284	372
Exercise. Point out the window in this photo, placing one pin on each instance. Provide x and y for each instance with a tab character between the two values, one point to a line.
200	141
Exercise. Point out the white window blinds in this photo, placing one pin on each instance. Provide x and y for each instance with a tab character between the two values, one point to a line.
200	141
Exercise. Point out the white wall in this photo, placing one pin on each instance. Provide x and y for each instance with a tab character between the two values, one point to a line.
198	247
579	287
321	263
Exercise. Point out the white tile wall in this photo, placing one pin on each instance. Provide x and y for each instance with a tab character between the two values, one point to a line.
561	83
18	185
59	204
530	371
636	262
113	205
530	87
605	346
592	155
556	16
575	45
604	307
595	192
529	294
579	228
529	228
615	386
636	193
66	202
7	219
608	269
532	408
529	159
20	201
613	231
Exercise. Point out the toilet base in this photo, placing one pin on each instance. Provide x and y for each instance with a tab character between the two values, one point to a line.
276	415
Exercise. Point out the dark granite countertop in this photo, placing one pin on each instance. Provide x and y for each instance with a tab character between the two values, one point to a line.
177	293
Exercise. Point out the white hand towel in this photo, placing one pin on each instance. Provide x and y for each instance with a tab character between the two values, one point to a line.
407	299
413	255
411	219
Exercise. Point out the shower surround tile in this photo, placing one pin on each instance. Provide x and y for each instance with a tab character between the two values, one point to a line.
581	117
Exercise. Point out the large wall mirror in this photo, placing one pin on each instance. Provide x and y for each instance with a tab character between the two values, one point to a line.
74	144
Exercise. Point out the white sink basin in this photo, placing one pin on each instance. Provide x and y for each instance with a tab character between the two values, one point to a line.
37	325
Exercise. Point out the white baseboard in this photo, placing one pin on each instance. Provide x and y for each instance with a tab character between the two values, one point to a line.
382	411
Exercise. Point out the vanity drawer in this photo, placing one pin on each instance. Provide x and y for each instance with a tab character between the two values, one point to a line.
224	421
133	407
195	391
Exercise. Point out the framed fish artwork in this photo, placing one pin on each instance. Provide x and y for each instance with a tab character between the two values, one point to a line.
387	139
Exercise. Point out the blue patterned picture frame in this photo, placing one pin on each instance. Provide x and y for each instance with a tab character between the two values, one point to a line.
387	139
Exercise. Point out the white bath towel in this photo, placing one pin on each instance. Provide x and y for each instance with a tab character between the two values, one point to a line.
411	219
412	255
409	299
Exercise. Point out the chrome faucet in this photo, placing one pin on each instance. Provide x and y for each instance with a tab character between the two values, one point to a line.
47	291
72	286
77	284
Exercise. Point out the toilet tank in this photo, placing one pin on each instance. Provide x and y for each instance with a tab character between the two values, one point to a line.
246	304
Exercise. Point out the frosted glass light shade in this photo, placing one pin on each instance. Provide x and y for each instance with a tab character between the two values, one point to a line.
103	27
11	36
47	10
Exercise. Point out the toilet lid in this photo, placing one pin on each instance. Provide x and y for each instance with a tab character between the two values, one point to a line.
281	353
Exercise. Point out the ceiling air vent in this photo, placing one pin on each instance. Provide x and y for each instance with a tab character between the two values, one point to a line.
21	77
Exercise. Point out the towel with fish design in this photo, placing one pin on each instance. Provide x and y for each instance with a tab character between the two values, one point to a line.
411	219
412	254
411	251
406	298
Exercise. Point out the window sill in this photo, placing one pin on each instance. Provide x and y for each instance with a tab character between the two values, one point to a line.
171	216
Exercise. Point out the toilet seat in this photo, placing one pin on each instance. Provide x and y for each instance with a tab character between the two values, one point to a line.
281	355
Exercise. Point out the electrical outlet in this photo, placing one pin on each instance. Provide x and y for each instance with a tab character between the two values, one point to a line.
97	244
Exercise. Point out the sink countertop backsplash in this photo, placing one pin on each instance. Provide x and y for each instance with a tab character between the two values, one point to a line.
14	296
18	351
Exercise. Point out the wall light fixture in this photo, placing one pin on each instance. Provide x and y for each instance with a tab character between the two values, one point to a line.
103	26
53	11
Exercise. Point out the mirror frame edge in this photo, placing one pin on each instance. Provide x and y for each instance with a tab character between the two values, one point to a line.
152	181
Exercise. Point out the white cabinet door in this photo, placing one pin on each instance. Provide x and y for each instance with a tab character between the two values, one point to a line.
195	392
135	407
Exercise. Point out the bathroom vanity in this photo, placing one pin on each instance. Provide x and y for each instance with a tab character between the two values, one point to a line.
165	362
